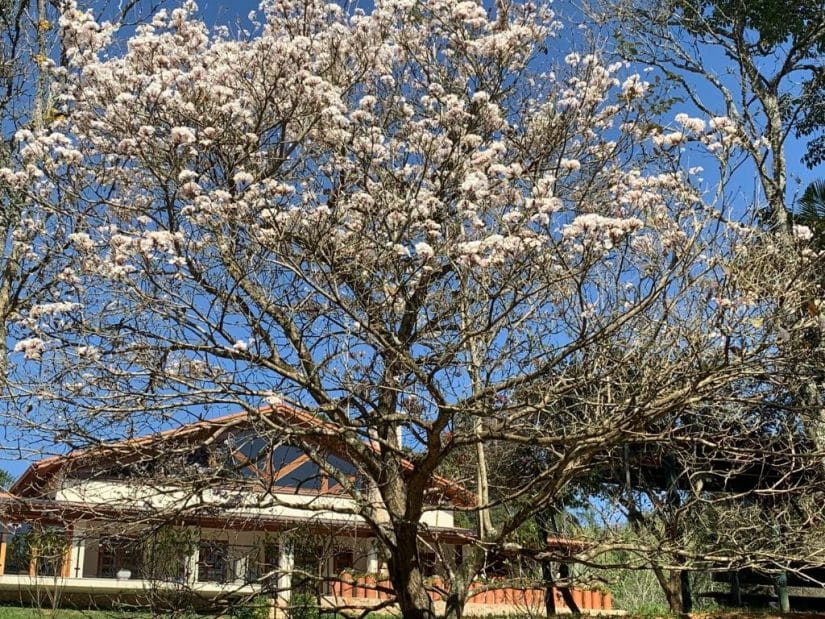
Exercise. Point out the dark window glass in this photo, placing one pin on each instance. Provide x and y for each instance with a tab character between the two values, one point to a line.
342	560
116	554
18	549
267	563
284	455
213	561
345	468
305	477
46	548
428	563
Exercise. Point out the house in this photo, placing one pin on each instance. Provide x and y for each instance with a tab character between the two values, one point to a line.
217	512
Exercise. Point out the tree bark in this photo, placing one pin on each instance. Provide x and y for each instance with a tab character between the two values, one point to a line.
547	581
687	595
546	570
672	586
455	600
566	594
407	576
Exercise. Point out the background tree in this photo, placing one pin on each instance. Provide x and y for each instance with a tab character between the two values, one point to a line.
769	64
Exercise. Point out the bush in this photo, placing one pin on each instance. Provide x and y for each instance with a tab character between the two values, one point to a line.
303	606
257	608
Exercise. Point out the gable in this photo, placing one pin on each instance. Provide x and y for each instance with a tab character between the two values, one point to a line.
193	450
285	467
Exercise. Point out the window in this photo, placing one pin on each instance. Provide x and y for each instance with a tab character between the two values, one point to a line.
428	563
18	549
213	561
117	554
266	563
283	465
45	549
342	560
166	553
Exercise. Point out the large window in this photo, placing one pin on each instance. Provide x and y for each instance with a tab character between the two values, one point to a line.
40	549
268	562
166	552
118	554
213	561
285	466
18	549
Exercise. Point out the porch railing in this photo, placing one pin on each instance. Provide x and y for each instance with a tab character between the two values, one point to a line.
371	588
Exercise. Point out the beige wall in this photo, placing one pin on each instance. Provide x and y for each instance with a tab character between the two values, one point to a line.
292	506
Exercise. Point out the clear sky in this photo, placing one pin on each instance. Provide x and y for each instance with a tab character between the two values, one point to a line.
235	13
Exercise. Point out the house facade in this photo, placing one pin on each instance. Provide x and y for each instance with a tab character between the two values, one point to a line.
215	514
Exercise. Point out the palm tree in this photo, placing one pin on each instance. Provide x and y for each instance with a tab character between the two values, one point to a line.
811	211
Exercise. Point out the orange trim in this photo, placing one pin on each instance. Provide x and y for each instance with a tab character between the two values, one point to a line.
66	568
286	470
3	545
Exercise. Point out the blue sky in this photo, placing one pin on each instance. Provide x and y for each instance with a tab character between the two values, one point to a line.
235	14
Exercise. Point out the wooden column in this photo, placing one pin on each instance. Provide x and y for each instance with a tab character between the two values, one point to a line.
3	544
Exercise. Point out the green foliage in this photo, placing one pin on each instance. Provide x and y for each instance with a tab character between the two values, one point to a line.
303	606
776	21
6	479
778	25
166	551
812	202
810	212
258	608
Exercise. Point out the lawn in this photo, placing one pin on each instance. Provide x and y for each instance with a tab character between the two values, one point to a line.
14	612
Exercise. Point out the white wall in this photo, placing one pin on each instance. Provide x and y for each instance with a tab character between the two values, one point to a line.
291	506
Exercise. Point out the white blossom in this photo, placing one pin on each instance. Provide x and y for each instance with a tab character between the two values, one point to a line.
182	135
424	250
32	348
802	233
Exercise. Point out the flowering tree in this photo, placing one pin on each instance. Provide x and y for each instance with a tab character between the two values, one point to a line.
30	49
403	221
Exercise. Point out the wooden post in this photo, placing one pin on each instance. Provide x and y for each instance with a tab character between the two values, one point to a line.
781	585
3	545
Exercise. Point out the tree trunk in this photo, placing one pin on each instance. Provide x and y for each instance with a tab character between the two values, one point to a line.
687	596
547	581
546	564
406	574
566	593
781	585
455	600
775	183
672	586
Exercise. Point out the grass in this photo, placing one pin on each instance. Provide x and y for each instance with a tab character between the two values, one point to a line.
15	612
